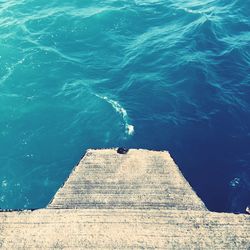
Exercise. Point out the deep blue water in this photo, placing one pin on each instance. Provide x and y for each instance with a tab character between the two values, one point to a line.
172	75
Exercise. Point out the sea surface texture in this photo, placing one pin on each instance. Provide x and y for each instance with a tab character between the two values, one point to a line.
158	74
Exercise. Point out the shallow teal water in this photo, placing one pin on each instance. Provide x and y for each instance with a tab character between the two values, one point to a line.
171	75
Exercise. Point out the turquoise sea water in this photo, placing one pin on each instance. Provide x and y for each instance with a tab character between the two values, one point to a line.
172	75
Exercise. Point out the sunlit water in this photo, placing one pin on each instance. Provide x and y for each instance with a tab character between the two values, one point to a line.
172	75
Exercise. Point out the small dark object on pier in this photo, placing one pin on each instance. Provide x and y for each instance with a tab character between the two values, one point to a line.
122	151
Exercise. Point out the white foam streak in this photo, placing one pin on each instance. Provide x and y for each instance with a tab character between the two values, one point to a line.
129	129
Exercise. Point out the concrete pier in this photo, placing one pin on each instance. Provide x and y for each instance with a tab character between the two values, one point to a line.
134	200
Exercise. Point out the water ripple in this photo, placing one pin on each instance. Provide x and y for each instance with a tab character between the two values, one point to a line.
86	74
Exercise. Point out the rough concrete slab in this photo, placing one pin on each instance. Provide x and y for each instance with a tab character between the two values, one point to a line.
138	179
123	229
139	200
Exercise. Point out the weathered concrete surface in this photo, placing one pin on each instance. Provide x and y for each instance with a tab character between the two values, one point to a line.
123	229
138	200
139	179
